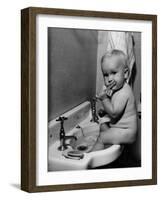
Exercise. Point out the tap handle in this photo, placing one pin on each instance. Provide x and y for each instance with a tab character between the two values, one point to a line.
93	102
94	99
61	119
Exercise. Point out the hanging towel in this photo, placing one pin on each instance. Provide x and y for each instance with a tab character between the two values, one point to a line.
122	41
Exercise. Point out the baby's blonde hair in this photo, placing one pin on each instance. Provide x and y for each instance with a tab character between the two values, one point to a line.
115	52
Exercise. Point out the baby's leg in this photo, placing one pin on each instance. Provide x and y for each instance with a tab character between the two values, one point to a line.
98	146
104	127
117	136
99	143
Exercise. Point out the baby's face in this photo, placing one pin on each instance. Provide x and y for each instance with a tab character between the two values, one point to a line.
113	72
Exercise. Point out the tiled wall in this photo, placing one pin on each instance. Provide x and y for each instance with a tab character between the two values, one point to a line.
72	62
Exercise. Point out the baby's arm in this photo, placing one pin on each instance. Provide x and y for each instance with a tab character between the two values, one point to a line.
116	105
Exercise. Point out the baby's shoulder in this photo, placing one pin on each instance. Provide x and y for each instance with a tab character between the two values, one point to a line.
126	88
125	91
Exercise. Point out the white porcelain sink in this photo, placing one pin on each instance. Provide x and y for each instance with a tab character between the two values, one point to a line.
57	161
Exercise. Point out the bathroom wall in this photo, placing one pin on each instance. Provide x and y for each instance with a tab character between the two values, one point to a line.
136	147
137	78
72	62
102	48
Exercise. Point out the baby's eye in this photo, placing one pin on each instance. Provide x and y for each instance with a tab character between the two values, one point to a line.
114	73
105	75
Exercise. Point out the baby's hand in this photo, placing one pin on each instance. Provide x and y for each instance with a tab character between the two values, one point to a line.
101	95
109	90
106	92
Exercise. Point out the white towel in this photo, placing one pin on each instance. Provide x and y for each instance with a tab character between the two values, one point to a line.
122	41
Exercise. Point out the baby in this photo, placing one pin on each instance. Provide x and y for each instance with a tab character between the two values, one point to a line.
118	102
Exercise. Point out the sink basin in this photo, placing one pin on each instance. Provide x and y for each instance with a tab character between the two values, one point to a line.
86	138
86	135
58	162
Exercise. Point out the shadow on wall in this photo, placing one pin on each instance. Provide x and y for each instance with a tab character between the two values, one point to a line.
133	75
72	62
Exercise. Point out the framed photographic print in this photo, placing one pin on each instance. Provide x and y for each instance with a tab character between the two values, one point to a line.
88	99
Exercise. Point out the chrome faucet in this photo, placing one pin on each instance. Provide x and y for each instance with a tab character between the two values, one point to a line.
93	109
63	137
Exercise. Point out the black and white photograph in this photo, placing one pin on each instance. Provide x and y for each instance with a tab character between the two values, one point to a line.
94	99
89	97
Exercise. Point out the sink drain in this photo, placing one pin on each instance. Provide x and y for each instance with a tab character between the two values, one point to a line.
82	148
